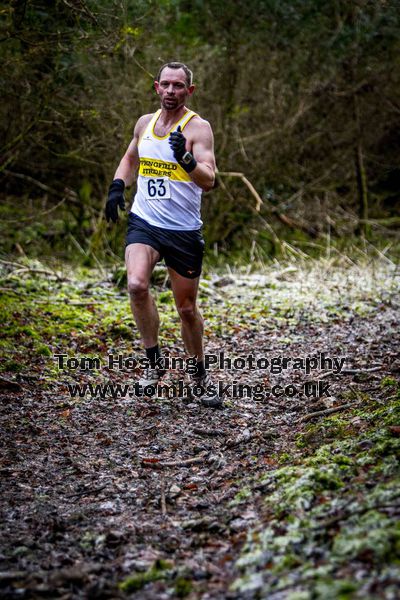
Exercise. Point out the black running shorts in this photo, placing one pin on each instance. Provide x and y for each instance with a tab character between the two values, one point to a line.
181	250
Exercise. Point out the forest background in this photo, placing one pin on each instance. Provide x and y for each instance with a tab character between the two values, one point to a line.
303	98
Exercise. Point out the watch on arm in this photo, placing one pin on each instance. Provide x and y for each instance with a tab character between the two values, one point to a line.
177	141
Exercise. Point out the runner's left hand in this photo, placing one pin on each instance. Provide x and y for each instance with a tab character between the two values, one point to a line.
177	141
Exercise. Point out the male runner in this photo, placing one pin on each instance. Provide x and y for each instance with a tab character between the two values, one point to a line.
172	151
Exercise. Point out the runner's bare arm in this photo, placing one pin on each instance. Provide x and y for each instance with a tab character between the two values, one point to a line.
203	151
128	166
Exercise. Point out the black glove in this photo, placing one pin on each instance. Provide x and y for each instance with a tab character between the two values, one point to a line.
115	199
177	141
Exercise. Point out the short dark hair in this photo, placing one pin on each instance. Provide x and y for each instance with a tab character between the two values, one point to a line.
177	65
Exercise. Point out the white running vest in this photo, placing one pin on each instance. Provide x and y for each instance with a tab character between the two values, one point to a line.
166	196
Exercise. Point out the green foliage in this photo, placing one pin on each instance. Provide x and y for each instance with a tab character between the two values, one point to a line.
388	382
56	317
242	494
183	587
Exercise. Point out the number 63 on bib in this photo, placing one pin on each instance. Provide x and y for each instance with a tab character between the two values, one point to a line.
158	189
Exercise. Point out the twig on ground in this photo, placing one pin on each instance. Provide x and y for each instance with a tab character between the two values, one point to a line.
247	436
87	492
146	462
84	303
149	428
350	372
26	269
11	386
356	371
10	263
188	461
328	411
9	575
210	432
325	375
163	501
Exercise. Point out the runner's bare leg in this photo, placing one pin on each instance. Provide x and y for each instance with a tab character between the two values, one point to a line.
192	324
140	260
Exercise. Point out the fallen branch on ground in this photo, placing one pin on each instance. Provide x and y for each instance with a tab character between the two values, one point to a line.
210	432
356	371
163	501
154	464
11	386
328	411
247	436
26	269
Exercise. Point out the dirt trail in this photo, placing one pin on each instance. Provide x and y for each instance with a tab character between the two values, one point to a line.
87	499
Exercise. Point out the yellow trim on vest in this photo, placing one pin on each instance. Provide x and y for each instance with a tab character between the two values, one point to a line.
189	114
149	126
190	117
153	167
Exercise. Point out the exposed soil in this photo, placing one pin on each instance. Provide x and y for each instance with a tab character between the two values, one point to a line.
87	499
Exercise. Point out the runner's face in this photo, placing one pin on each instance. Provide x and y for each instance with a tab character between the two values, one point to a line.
172	88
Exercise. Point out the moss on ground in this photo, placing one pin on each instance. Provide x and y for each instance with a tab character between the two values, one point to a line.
332	530
161	569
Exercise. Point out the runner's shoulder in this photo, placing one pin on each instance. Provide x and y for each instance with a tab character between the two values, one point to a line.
142	123
197	123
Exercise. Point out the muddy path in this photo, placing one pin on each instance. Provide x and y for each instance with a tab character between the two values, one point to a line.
155	497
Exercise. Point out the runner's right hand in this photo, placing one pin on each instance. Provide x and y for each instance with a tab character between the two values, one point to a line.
115	199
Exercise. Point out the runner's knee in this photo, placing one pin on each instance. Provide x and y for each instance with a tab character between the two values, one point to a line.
137	288
187	312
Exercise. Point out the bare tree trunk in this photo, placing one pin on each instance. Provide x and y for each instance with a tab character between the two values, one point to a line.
361	175
362	189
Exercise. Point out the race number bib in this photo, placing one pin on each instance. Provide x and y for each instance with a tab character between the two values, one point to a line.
158	189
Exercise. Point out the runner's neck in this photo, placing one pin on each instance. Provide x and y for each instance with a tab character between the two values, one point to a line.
167	119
